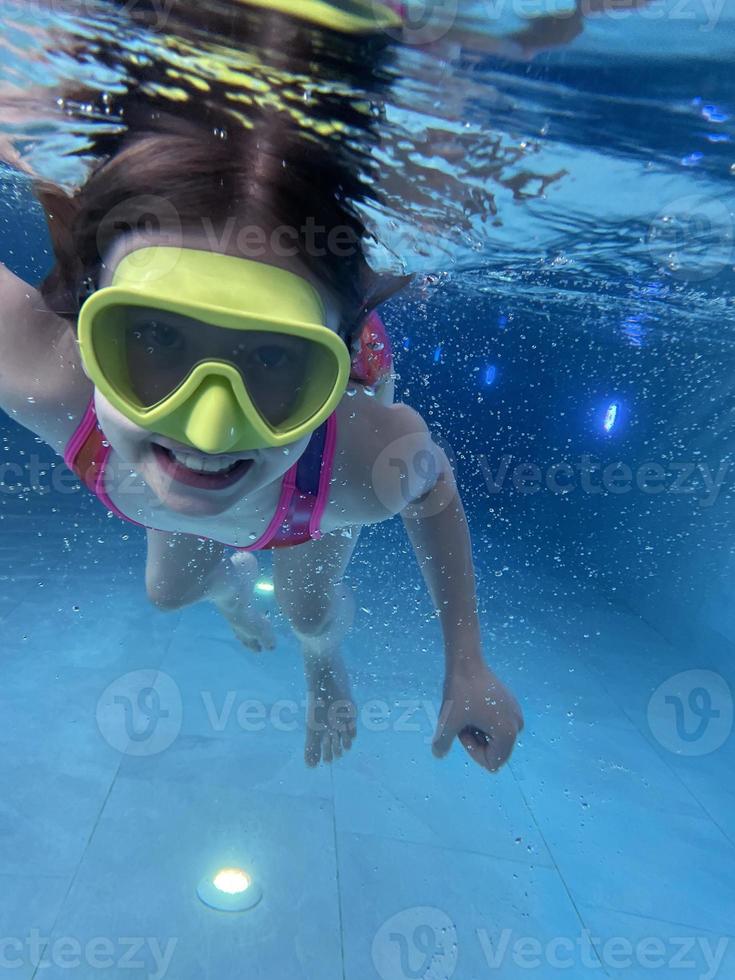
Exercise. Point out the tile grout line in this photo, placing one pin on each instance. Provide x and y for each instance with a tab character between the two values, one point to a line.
628	609
668	922
74	876
594	673
664	762
337	874
562	879
92	832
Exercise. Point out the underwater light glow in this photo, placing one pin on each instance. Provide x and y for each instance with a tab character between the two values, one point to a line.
264	586
232	881
229	890
713	113
611	417
491	373
692	159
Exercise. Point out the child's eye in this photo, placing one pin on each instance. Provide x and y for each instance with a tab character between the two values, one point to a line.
271	356
162	336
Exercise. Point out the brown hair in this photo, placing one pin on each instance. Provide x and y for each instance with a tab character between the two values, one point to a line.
198	162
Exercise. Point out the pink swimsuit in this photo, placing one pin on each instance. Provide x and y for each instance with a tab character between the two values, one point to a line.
305	487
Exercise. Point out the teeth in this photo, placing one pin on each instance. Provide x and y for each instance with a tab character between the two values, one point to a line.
203	464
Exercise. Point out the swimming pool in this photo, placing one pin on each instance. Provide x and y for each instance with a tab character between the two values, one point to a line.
567	336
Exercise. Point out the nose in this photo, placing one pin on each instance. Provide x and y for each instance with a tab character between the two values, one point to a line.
213	417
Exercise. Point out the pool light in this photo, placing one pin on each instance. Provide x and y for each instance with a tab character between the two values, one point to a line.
264	586
229	890
611	416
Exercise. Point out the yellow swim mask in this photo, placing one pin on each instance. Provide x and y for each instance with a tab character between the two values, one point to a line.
219	353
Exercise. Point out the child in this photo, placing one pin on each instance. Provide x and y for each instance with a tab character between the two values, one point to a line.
205	358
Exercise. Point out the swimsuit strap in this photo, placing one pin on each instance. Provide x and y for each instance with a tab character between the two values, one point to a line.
304	493
87	455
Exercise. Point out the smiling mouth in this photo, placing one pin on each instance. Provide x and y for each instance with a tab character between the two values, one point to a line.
200	471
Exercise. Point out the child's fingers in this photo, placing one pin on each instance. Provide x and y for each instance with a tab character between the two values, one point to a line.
443	741
489	751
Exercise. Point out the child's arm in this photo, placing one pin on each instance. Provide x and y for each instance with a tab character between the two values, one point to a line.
42	385
389	465
476	707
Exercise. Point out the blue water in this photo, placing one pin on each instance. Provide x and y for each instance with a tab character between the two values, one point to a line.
575	363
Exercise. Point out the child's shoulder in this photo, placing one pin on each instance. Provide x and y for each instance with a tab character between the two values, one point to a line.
42	385
367	423
381	451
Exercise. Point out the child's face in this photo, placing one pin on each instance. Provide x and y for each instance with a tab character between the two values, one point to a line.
173	470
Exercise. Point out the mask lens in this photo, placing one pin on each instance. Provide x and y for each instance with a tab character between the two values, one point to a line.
149	353
284	375
160	354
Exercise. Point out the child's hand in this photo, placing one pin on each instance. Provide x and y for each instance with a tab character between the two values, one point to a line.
482	712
